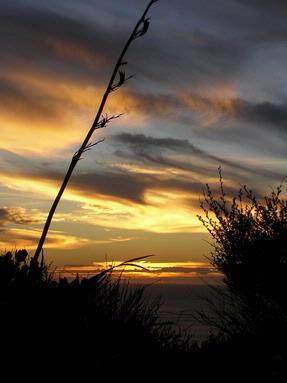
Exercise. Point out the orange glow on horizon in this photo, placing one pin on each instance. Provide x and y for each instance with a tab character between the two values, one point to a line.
187	272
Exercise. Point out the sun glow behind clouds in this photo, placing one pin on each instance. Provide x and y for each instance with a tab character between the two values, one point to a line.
162	212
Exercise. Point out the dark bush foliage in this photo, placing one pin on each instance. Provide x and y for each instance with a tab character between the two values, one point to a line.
249	313
250	241
97	321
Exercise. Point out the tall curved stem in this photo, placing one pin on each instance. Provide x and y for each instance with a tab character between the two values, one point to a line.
134	34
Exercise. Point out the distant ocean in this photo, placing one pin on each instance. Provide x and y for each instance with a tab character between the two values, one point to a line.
180	303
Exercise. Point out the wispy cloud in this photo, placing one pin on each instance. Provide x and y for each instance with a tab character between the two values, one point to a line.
154	150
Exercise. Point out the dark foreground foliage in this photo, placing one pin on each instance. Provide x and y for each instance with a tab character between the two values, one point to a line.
96	326
103	330
250	249
250	246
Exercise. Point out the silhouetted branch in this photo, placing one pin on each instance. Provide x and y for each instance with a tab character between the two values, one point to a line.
144	28
122	80
92	144
139	30
105	120
129	262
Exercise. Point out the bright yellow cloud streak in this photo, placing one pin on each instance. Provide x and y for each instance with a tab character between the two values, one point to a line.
27	238
163	212
142	169
39	137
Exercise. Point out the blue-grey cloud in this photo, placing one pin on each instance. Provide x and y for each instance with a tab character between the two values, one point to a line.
30	31
140	147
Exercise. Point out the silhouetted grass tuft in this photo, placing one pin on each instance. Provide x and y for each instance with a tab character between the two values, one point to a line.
91	321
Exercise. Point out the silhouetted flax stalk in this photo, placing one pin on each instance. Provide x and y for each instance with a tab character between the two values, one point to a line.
100	121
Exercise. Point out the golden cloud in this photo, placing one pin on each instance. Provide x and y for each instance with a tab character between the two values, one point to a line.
27	238
47	115
163	211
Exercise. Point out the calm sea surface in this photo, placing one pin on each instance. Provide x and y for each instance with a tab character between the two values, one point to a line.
180	304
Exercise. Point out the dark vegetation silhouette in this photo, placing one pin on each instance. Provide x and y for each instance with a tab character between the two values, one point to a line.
250	237
97	322
250	250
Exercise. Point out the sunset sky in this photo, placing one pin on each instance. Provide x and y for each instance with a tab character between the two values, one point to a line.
210	90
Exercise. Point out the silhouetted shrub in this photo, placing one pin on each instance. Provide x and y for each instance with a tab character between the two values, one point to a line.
16	267
250	241
250	312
